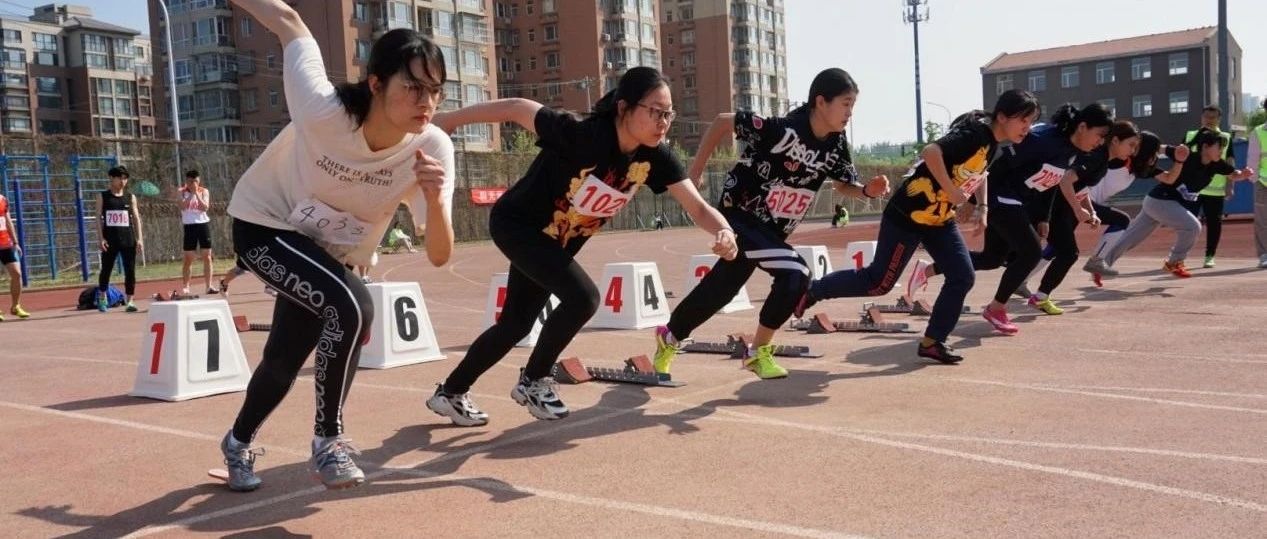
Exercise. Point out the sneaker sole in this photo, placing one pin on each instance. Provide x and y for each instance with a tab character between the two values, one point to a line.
344	485
522	400
939	359
457	419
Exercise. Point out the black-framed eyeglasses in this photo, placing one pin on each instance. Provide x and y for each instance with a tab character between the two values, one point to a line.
659	114
424	92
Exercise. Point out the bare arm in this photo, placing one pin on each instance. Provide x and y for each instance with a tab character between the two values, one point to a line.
518	110
1171	176
136	214
723	126
439	235
706	217
278	17
1066	190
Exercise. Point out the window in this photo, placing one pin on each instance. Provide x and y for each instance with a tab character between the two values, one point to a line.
688	81
17	101
688	59
532	35
249	101
360	12
1110	105
362	50
52	127
474	93
123	107
270	61
1178	63
121	87
45	42
398	17
274	100
1069	77
1104	73
1142	106
1002	83
472	62
1141	68
688	37
48	85
14	59
1037	81
686	13
245	26
503	64
107	126
103	86
552	60
12	36
648	34
44	58
532	63
17	123
105	106
1179	101
547	6
552	32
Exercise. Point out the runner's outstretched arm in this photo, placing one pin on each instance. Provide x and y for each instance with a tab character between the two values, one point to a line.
278	17
515	109
722	127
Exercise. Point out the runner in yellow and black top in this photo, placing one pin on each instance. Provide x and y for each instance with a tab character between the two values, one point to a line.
922	211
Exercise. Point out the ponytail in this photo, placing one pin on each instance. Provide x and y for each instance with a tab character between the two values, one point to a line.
632	87
356	98
968	118
1067	117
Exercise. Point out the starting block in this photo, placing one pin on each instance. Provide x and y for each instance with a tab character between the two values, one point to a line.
918	307
174	295
187	352
240	322
859	254
737	347
638	370
872	321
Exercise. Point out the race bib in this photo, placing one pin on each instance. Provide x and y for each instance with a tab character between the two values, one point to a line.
4	224
597	199
1186	194
119	218
319	221
1082	195
1047	177
973	183
788	202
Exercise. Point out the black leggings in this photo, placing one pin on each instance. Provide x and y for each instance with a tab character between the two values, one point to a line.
1212	207
1009	239
1061	239
129	267
758	247
320	306
539	267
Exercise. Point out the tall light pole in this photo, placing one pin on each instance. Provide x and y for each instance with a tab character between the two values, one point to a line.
915	12
1225	78
942	107
171	83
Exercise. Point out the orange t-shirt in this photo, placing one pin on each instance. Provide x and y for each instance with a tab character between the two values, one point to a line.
6	238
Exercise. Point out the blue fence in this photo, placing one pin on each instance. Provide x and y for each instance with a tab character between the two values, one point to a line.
53	212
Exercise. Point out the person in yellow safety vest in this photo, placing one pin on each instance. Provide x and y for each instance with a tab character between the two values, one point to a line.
1257	145
1211	199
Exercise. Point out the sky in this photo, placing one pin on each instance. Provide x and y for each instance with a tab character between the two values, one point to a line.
869	39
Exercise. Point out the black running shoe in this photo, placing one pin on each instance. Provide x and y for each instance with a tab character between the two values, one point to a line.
940	353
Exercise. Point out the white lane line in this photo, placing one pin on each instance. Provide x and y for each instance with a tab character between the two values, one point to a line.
1119	396
1160	390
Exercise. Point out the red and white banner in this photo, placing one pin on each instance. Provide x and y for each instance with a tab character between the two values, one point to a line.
484	196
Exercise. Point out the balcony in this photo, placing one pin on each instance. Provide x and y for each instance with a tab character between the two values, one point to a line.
474	36
208	77
213	40
218	113
16	65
